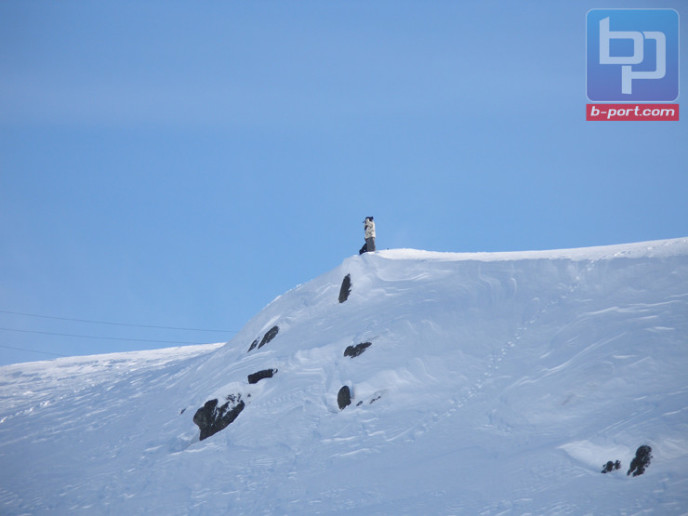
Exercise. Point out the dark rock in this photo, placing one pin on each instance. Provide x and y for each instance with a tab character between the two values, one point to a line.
611	466
354	351
211	419
265	373
642	458
344	397
345	289
271	334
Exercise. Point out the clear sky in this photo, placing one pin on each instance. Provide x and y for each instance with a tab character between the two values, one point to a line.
180	164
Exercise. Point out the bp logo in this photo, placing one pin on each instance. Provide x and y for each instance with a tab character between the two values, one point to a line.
632	55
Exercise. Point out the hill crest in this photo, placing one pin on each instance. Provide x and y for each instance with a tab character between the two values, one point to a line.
490	383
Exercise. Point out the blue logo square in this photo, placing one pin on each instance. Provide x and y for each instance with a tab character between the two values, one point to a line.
632	55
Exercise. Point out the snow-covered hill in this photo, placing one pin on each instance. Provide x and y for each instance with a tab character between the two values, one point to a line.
493	384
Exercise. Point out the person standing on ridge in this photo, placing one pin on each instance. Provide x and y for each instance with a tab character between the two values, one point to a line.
369	227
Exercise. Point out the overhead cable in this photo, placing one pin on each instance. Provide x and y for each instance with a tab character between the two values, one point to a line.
96	337
92	321
33	350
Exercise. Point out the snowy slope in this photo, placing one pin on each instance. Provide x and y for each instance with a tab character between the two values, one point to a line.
494	384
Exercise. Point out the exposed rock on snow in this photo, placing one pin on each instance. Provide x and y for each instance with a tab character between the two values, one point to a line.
641	461
345	289
354	351
269	335
611	466
265	373
211	419
344	397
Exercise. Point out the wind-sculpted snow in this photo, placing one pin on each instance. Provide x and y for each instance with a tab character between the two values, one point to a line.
492	384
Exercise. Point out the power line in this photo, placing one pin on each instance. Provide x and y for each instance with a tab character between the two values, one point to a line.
92	321
33	351
94	337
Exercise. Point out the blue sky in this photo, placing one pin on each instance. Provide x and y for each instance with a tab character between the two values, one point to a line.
181	164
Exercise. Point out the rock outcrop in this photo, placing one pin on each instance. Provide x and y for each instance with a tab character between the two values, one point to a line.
258	376
354	351
345	289
641	461
611	466
344	397
269	335
211	419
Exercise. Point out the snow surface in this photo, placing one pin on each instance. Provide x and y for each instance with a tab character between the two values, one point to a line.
495	384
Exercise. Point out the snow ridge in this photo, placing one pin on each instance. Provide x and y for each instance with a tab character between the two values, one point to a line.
493	383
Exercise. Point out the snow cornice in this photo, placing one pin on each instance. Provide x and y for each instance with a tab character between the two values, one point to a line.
649	249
